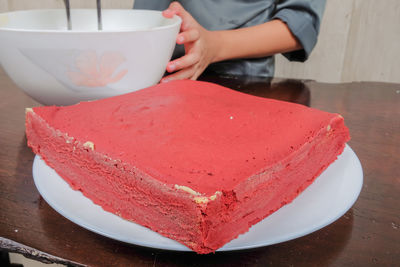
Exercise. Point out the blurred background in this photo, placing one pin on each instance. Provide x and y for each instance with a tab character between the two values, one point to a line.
359	39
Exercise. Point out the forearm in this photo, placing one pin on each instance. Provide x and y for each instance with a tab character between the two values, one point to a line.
257	41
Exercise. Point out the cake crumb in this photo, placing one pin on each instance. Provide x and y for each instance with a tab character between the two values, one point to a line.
204	200
89	145
213	197
187	189
28	110
201	200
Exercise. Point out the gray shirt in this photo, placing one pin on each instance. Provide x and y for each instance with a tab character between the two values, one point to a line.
303	18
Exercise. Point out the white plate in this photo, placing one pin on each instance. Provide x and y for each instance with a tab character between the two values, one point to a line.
323	202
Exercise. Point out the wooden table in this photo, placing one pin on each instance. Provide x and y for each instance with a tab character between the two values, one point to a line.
367	235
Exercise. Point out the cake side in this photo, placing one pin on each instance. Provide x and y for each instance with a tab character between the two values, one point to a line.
124	190
267	191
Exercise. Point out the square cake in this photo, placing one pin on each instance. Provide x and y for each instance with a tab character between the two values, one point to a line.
194	161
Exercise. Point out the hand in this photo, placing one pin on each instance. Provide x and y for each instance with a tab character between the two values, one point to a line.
200	48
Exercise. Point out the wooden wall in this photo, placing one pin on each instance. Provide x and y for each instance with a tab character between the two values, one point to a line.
359	40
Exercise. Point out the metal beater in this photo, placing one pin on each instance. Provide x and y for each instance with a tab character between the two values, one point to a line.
99	20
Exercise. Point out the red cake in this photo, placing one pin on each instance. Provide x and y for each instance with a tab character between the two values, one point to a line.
194	161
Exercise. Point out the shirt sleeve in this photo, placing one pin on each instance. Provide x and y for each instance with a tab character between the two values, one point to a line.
303	17
152	5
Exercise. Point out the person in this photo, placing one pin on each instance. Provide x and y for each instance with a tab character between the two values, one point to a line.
238	37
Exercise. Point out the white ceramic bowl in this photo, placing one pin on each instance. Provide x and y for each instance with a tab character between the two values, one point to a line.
61	67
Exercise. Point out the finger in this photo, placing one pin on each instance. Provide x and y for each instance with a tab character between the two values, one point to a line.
180	75
184	62
168	13
174	9
177	8
188	36
196	75
187	20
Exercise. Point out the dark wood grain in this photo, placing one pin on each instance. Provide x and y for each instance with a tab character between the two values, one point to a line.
367	235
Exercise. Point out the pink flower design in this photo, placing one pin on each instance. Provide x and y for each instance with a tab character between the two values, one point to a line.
95	72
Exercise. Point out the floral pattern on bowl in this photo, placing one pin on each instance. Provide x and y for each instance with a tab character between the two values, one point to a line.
81	70
97	71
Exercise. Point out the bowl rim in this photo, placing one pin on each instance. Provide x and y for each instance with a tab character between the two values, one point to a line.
176	23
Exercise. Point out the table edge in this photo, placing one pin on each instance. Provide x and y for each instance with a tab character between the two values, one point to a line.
32	253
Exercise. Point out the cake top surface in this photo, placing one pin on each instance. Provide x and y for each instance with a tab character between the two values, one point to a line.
197	135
